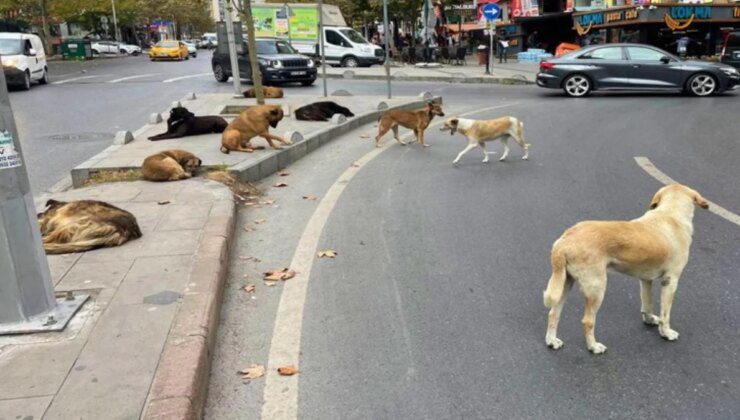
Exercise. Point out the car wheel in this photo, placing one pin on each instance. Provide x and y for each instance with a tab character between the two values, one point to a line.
45	77
577	85
187	57
26	85
94	51
124	52
307	82
195	55
702	84
350	62
220	74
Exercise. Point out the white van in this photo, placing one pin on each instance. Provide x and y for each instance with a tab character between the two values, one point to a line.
346	47
208	40
23	59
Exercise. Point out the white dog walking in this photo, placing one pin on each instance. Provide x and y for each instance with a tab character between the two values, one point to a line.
479	132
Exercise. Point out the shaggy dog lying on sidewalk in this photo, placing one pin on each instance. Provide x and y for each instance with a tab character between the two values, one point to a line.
268	91
183	123
321	111
84	225
170	165
254	121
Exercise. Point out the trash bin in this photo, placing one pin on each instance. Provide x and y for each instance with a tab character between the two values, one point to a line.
76	49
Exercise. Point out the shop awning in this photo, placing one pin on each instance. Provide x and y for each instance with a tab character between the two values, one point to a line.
466	27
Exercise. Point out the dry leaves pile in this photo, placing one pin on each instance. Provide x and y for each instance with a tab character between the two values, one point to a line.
329	253
279	184
279	275
260	221
253	372
289	370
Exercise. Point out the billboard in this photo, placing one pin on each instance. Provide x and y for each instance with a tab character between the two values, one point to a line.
270	22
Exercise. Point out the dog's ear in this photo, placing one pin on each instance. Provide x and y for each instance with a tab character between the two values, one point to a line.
656	199
699	200
200	162
54	203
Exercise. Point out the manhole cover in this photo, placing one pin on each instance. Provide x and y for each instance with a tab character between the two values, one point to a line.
82	136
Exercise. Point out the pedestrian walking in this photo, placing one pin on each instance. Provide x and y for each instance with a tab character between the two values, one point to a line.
503	49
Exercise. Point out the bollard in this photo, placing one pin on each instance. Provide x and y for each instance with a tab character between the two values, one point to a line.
155	118
175	104
341	92
337	119
381	106
293	136
190	96
123	137
348	74
426	96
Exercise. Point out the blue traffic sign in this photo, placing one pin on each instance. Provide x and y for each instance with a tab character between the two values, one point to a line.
492	11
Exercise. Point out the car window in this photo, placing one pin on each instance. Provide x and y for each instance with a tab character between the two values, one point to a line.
353	36
10	46
607	53
27	47
274	47
334	38
166	44
647	54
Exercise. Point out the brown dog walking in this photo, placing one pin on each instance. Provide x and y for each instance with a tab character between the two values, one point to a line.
417	120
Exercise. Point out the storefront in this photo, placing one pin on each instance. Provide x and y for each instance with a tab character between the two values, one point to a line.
690	29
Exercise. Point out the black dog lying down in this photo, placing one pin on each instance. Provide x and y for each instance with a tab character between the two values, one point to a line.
321	111
183	123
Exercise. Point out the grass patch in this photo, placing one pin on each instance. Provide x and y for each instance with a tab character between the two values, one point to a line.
104	177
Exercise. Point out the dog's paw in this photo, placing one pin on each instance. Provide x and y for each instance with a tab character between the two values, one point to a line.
277	147
403	143
650	319
525	157
485	160
502	159
597	348
669	334
554	343
454	164
426	145
288	141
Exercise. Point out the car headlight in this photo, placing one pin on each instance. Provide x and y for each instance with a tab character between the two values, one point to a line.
310	63
9	62
276	64
730	71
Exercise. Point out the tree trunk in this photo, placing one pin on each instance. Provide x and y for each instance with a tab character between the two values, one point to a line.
45	29
256	74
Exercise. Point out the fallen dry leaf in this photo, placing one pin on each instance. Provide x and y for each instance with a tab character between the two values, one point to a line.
283	173
310	197
354	165
289	370
329	253
253	372
279	184
248	229
269	283
364	136
278	275
259	221
249	288
162	203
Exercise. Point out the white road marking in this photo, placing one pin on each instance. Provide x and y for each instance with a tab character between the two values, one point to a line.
656	173
132	77
281	392
174	79
61	82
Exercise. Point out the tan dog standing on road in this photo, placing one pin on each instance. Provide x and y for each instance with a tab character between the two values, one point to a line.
479	132
254	121
417	120
170	165
654	246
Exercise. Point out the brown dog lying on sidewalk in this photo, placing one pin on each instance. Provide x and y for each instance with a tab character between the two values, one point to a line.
84	225
183	123
170	165
417	120
254	121
652	247
268	91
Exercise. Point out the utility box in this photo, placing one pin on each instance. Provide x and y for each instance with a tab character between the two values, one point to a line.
76	49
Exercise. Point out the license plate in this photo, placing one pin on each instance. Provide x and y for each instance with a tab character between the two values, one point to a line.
298	73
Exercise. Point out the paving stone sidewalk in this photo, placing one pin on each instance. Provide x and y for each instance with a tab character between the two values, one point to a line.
111	361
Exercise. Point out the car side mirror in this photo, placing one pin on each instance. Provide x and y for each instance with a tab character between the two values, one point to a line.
665	59
31	52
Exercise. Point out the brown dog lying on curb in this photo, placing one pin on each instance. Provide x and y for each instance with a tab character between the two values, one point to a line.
652	247
417	120
84	225
255	121
268	91
170	165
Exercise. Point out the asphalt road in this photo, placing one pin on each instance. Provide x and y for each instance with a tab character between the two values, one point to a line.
433	308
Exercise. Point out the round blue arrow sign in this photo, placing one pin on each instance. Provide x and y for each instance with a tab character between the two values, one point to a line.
491	11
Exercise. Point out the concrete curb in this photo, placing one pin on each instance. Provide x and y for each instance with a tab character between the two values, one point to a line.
449	79
180	383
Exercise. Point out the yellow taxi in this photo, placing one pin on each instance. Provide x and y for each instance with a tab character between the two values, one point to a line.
169	50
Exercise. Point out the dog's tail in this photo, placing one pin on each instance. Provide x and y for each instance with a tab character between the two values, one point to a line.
556	285
520	132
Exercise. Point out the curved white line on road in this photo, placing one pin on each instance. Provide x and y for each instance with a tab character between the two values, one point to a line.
656	173
174	79
281	392
132	77
61	82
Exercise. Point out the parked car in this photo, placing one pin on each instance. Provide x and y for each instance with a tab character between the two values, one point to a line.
168	50
113	47
192	50
731	49
634	67
208	41
279	63
23	59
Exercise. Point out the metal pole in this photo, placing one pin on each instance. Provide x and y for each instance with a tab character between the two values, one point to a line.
115	26
287	17
386	31
254	64
235	75
489	70
26	290
321	44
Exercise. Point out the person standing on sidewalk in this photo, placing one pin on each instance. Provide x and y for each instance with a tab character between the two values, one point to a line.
503	49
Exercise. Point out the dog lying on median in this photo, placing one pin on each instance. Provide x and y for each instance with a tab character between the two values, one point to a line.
170	165
654	246
321	111
252	122
417	120
479	132
183	123
84	225
267	91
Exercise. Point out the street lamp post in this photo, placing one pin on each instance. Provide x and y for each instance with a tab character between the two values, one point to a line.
115	26
321	45
232	49
387	31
